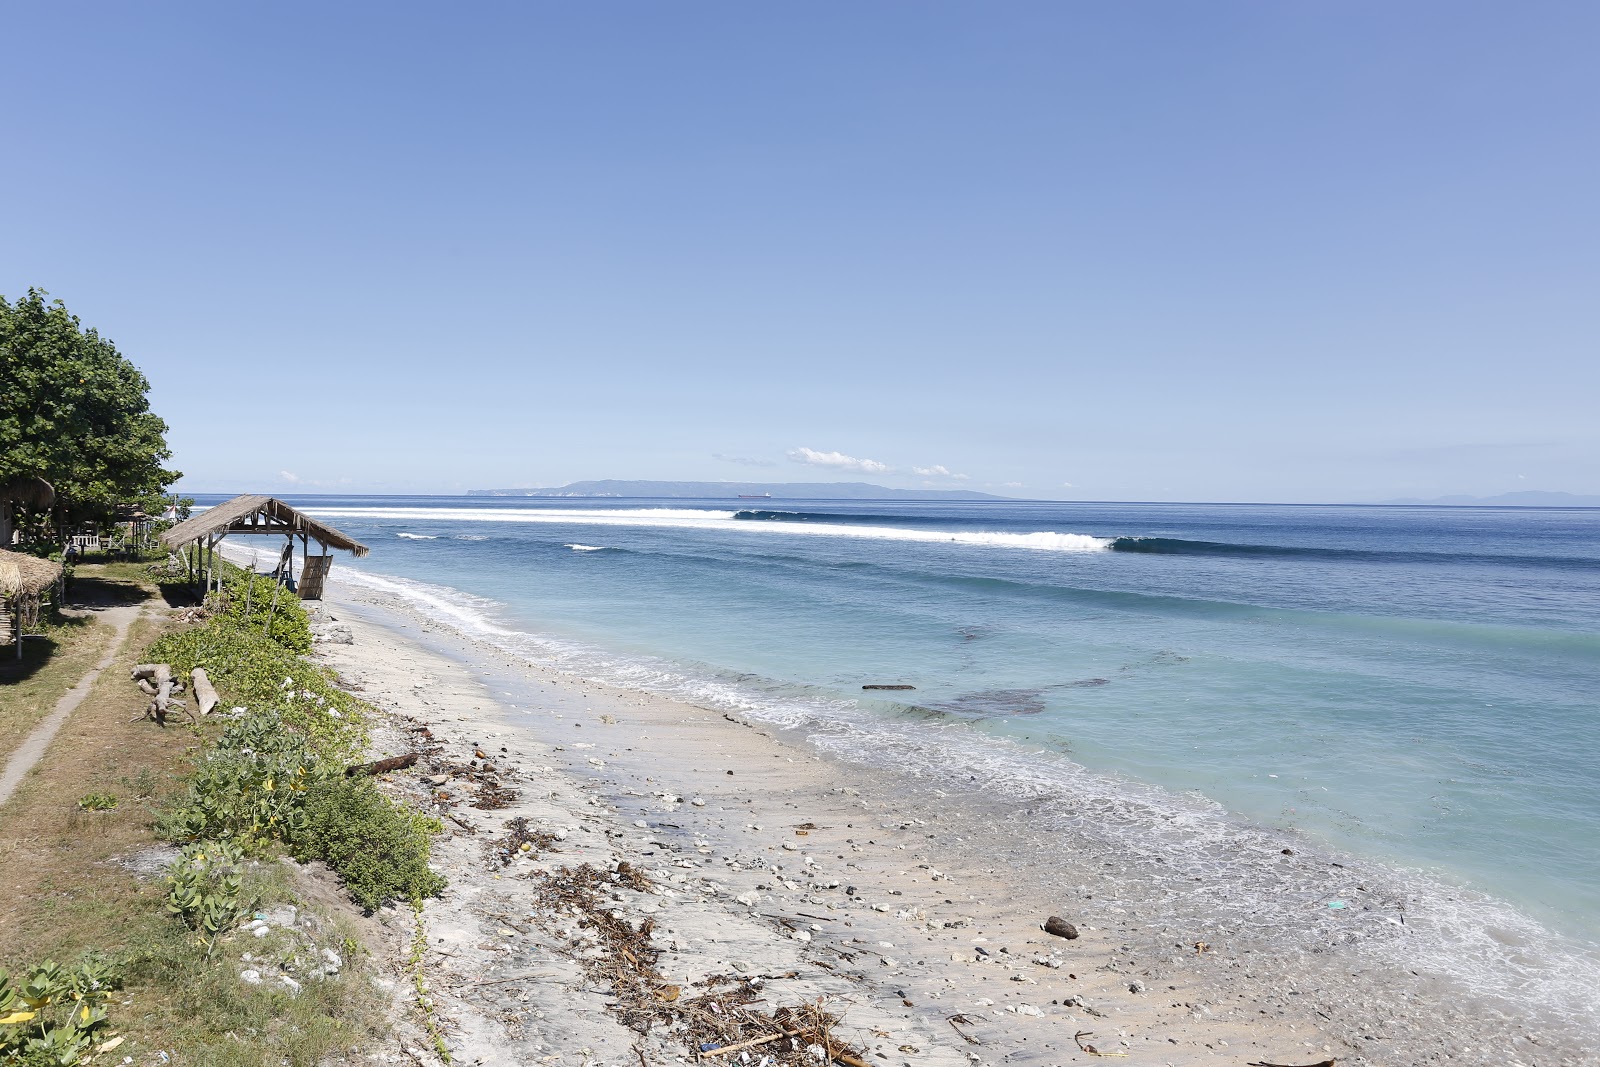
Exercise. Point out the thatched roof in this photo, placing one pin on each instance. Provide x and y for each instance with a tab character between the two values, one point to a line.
27	575
28	491
258	515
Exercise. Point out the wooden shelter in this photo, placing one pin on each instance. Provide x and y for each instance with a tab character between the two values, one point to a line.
23	582
196	539
26	491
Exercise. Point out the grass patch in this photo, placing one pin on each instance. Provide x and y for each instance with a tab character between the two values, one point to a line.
69	896
30	687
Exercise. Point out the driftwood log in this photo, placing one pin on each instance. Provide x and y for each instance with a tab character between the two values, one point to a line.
157	681
205	694
382	766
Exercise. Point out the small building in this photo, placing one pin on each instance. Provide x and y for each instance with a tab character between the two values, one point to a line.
24	580
195	540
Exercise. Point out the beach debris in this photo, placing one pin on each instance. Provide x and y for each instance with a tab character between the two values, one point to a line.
956	1022
1090	1049
157	682
1136	986
522	840
382	766
205	694
1059	927
1319	1063
1337	905
894	687
584	908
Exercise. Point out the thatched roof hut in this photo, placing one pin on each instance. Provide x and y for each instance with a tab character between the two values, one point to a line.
26	491
261	515
258	515
25	576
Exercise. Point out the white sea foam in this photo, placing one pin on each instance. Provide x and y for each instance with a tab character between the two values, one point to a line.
724	521
585	548
1182	854
418	537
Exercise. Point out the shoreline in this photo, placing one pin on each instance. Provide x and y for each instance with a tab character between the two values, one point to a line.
968	936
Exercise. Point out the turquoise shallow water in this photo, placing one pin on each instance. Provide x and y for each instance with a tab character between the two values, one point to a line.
1414	685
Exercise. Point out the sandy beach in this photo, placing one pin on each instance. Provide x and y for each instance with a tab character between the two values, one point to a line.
915	917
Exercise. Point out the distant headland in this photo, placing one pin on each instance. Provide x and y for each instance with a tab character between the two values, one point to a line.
749	490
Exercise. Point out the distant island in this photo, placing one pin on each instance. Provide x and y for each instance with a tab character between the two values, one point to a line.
1531	498
735	490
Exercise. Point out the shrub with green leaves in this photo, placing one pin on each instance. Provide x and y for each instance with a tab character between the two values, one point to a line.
379	848
285	624
262	675
203	888
249	789
50	1016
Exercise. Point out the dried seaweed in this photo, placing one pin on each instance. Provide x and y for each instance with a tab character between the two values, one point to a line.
725	1017
518	835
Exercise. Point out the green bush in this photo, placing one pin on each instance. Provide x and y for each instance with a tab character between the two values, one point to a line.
50	1016
289	625
262	675
378	848
203	888
250	788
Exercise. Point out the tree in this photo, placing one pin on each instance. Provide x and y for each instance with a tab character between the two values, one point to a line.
74	412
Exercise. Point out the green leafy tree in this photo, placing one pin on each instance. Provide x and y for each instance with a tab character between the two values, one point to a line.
74	412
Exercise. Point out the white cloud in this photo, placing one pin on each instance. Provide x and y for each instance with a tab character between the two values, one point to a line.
744	461
288	476
1011	485
837	460
1069	485
938	470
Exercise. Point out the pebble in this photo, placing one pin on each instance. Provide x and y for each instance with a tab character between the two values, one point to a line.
1136	986
289	983
251	976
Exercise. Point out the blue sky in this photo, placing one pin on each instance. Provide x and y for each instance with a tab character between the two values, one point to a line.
1236	251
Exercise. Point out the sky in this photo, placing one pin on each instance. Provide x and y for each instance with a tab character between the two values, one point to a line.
1156	251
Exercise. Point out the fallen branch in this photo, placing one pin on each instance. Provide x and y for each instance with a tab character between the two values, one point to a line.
382	766
1090	1049
752	1043
518	978
1319	1063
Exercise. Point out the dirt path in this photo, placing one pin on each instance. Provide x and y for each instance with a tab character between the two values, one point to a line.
25	757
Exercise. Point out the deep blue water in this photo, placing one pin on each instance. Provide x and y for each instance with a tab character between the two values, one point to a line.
1414	685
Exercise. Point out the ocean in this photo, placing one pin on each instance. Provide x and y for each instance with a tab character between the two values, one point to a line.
1413	689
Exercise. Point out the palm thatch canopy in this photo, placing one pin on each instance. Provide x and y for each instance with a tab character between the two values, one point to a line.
23	575
28	491
258	515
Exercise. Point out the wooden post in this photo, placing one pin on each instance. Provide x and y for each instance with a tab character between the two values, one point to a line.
249	583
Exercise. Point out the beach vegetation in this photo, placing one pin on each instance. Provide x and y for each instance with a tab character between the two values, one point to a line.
278	613
379	848
73	895
275	776
51	1016
256	672
203	888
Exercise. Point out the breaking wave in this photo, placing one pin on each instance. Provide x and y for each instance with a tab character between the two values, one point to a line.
728	521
